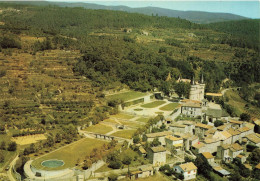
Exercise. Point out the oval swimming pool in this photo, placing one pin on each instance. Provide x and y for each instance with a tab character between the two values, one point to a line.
52	163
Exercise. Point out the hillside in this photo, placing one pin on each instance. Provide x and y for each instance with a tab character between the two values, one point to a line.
193	16
247	30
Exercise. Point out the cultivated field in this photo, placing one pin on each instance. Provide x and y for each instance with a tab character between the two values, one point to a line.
25	140
124	134
169	107
153	104
99	128
70	154
126	96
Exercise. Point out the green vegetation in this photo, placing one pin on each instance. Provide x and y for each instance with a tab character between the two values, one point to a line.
99	128
70	153
122	116
153	104
124	134
125	96
169	107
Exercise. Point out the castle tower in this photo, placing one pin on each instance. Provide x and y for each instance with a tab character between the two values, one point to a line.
197	90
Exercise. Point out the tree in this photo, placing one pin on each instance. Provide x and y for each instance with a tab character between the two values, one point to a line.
136	139
245	117
50	141
254	156
12	146
156	142
58	138
2	158
127	161
112	177
218	123
203	166
3	145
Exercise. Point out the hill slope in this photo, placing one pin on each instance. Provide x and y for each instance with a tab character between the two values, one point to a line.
193	16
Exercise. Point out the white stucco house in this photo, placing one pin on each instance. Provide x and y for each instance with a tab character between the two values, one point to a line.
189	170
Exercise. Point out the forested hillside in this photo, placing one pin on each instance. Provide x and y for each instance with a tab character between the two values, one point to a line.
134	49
243	33
193	16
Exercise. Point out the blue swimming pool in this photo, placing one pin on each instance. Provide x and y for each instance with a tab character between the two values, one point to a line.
52	163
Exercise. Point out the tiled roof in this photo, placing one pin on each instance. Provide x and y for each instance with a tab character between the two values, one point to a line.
142	150
254	138
244	129
210	140
236	122
226	134
147	169
191	104
222	127
214	94
248	166
207	155
178	125
188	167
236	147
158	149
178	145
173	138
203	126
159	134
240	156
233	132
250	125
198	145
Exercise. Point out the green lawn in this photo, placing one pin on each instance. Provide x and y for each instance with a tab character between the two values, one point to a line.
142	119
126	96
123	116
99	128
153	104
169	107
70	154
124	134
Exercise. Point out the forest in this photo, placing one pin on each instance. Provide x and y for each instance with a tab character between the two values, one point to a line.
121	58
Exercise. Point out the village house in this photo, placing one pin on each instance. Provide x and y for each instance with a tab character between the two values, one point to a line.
208	156
198	147
141	173
211	144
229	152
235	124
244	131
235	135
160	135
220	171
178	128
224	136
189	170
142	151
157	155
191	109
242	158
224	127
213	113
189	140
253	139
200	129
174	142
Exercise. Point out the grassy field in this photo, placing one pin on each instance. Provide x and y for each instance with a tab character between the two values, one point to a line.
122	116
70	154
169	107
153	104
99	128
124	134
142	119
8	155
110	121
126	96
